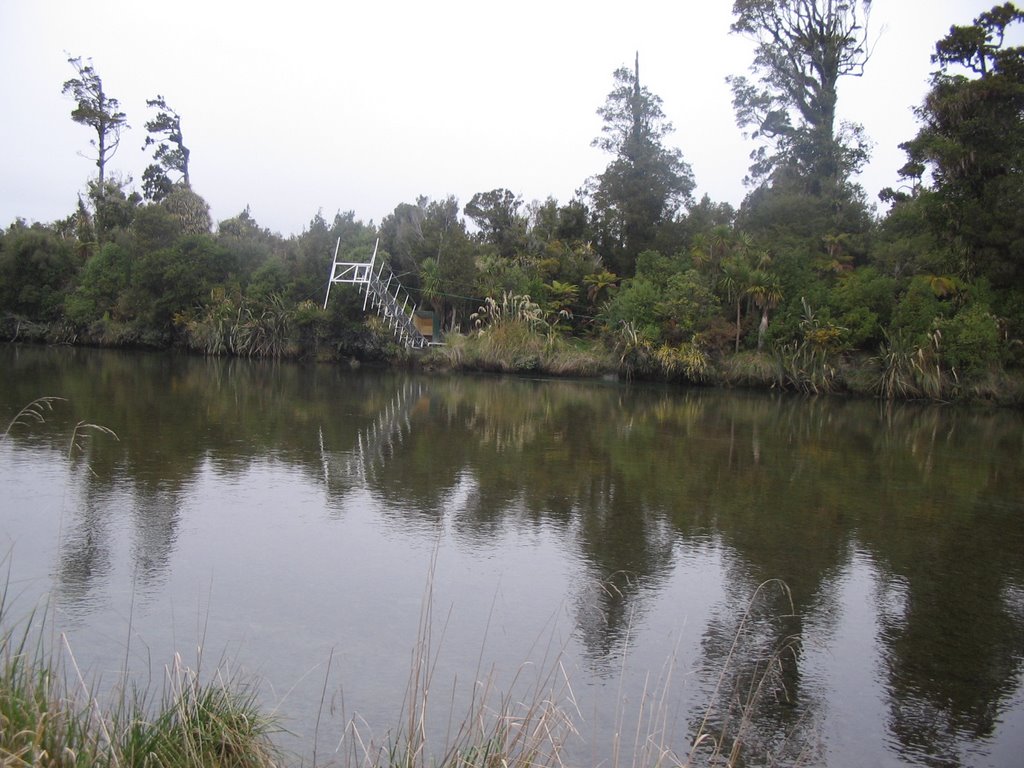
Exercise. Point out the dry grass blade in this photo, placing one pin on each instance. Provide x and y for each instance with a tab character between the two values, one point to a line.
82	430
33	412
725	748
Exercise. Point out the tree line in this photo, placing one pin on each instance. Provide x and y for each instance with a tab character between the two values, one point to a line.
804	286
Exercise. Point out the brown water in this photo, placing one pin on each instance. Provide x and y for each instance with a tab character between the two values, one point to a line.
287	519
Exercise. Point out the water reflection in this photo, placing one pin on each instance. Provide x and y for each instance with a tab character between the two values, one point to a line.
631	480
85	556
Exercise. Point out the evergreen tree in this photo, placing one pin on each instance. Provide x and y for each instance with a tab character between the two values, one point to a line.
972	144
95	109
497	215
646	183
171	154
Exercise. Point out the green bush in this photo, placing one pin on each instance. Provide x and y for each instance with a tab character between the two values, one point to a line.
688	306
970	341
917	310
36	268
101	282
635	303
863	300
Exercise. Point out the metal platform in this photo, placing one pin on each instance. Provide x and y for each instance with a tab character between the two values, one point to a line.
383	292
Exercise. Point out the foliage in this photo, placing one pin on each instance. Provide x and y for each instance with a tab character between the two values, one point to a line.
750	368
263	331
432	229
513	335
970	341
640	357
908	370
808	365
36	269
805	367
207	725
49	722
918	309
803	48
863	300
971	142
497	215
511	309
245	327
687	362
621	263
95	109
646	183
173	280
170	156
600	286
154	227
101	284
635	304
38	721
687	306
191	210
496	276
115	208
562	298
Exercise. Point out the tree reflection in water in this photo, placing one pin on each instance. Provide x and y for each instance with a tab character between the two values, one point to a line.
631	480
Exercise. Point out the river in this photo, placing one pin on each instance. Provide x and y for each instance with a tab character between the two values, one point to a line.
638	555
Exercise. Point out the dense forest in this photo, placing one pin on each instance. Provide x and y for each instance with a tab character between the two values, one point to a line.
804	287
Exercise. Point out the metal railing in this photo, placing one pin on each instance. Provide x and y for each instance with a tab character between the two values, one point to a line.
383	292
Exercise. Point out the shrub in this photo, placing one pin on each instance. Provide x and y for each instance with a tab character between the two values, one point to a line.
916	311
907	369
970	341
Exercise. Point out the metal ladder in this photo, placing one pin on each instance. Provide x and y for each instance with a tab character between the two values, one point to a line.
383	292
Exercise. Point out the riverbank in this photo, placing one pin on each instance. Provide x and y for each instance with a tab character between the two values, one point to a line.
899	372
895	374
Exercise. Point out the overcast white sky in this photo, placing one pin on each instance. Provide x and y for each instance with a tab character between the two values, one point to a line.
294	107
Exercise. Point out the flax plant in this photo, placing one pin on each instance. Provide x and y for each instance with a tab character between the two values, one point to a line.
909	370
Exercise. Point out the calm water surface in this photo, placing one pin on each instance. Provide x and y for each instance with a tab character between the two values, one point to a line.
287	520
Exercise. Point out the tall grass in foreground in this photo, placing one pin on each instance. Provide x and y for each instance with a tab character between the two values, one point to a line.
39	723
51	717
214	724
498	729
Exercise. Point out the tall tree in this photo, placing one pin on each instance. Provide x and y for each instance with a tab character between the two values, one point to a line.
972	142
497	215
95	109
171	154
432	253
803	48
646	183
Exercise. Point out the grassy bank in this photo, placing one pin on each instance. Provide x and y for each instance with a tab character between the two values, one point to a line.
893	375
515	336
50	715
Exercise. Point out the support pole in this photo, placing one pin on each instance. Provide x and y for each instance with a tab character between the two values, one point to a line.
372	259
334	268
